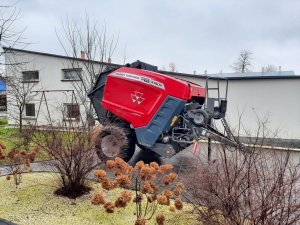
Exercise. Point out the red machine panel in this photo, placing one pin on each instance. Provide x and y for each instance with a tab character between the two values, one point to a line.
140	93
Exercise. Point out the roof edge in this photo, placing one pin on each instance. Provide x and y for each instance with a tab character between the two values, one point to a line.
231	78
204	76
7	49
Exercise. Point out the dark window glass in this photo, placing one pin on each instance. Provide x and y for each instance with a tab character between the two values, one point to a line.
73	111
30	110
71	74
3	102
30	75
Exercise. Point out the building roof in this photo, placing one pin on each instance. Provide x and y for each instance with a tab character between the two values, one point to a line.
256	75
239	76
8	49
226	76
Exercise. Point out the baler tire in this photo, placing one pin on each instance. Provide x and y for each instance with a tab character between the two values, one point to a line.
121	138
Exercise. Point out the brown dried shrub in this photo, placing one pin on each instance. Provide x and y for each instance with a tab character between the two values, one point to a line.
140	221
109	207
169	178
100	174
160	219
127	196
152	184
162	200
98	199
178	204
121	202
19	161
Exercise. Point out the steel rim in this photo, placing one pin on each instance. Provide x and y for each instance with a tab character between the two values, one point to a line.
110	146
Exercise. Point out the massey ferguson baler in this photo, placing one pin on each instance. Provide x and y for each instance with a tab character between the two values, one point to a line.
139	106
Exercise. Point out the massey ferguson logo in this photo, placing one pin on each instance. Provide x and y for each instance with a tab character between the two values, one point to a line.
137	97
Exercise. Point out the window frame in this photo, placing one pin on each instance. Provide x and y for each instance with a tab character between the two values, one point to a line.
3	102
69	70
67	113
30	116
30	80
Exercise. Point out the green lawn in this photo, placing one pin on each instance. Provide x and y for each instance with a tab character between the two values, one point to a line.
11	138
34	203
8	136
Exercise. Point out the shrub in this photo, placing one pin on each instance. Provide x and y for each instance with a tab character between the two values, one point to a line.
257	187
3	121
71	155
153	184
19	161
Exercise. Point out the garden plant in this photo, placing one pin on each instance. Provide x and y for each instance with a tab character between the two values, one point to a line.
153	186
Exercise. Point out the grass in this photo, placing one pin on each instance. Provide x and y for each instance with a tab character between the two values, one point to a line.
8	136
11	138
34	203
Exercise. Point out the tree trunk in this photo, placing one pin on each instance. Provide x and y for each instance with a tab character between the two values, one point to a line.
20	122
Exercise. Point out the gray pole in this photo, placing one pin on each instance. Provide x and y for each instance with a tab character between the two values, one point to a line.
209	145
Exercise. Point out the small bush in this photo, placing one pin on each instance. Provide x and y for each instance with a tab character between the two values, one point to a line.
154	185
71	155
19	161
261	187
3	121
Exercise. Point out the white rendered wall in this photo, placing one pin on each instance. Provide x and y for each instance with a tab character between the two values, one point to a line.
275	101
50	75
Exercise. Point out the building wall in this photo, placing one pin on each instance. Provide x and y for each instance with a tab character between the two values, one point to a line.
50	79
275	102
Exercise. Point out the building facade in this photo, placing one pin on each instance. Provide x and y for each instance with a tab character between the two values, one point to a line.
52	84
266	102
256	101
3	99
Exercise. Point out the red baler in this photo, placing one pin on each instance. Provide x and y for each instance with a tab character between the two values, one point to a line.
139	106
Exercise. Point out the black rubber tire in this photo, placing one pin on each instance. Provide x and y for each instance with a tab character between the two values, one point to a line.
121	138
205	118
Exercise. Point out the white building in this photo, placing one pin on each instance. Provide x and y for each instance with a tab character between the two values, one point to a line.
53	81
269	97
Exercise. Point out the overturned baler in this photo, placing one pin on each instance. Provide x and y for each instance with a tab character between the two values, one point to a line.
139	106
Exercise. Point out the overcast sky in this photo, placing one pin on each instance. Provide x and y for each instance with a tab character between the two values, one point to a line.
194	34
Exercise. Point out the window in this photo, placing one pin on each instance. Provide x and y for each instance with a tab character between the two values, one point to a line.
29	76
30	110
72	111
71	74
3	102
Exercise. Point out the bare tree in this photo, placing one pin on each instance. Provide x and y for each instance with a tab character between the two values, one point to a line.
91	50
270	68
255	187
172	67
21	93
163	68
243	62
9	37
71	155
